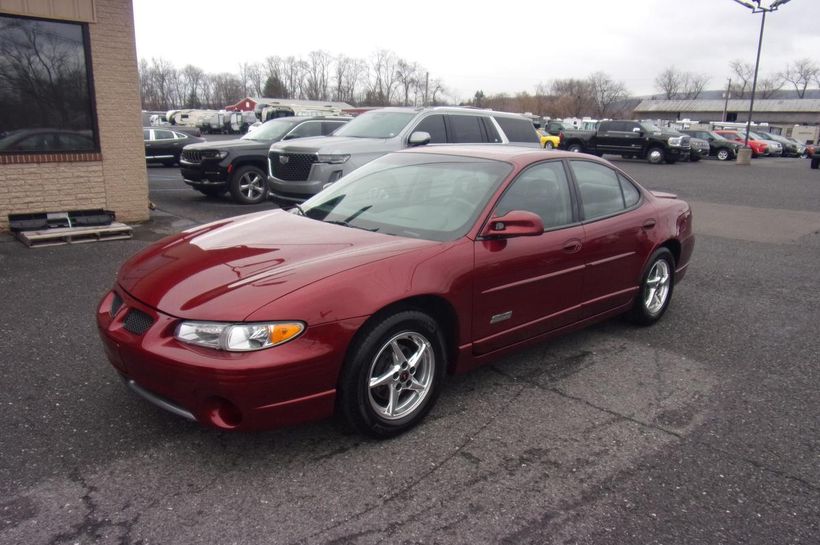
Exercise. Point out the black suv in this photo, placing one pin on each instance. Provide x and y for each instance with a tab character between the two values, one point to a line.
719	147
240	166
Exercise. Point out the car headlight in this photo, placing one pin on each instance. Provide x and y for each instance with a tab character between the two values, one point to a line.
675	141
238	337
214	154
333	158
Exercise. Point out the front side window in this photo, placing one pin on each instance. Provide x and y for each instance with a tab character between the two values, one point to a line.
309	128
434	125
271	130
542	189
599	189
44	84
426	196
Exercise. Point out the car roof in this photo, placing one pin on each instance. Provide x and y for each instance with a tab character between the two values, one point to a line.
449	109
512	154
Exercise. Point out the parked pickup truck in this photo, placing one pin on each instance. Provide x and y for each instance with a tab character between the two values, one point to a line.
630	139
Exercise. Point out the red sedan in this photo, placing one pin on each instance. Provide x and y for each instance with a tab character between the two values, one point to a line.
422	263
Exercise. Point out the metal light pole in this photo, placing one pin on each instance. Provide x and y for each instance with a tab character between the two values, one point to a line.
755	6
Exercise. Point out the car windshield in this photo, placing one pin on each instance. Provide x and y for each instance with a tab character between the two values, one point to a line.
271	130
432	197
376	124
649	127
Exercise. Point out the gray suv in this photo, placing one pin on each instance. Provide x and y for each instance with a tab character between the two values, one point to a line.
298	170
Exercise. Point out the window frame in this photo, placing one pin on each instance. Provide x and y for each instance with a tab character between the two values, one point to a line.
92	96
618	174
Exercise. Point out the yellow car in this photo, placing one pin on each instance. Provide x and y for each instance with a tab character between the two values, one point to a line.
548	141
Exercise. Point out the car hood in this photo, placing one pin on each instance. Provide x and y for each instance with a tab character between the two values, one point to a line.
230	144
226	270
337	144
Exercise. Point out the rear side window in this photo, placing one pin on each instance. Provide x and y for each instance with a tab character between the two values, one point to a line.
163	135
466	129
518	130
600	189
492	132
146	134
631	193
434	125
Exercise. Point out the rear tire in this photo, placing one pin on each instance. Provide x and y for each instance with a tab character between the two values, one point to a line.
548	145
249	185
657	284
723	154
815	163
575	148
393	374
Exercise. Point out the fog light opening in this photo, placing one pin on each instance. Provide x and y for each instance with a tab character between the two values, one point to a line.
222	413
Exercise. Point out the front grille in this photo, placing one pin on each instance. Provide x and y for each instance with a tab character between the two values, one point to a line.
116	303
295	168
192	156
137	322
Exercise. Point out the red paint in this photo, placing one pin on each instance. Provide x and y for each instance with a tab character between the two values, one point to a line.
759	147
279	266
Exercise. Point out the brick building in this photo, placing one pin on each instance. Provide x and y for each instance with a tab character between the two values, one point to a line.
70	126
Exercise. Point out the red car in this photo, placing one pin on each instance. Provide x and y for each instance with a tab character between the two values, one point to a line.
759	147
422	263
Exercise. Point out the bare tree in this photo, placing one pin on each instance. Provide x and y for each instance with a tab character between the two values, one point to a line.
693	85
383	78
293	75
669	82
743	73
605	92
769	86
801	74
192	78
407	75
317	76
244	68
256	79
573	96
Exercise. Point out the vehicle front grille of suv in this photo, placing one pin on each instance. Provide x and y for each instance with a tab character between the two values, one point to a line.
292	167
192	156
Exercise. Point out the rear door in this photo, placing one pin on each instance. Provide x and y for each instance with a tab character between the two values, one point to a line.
617	222
526	286
465	129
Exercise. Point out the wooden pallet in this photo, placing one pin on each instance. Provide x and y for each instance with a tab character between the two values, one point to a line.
74	235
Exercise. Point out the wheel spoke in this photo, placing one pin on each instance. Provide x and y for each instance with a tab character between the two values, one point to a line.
415	385
392	402
386	378
398	355
414	359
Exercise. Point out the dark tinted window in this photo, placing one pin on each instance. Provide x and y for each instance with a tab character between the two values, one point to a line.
608	126
491	131
466	129
433	124
542	189
599	188
146	134
44	80
330	126
631	193
160	134
517	130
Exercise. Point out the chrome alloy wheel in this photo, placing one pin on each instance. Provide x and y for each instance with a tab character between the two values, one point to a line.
655	156
656	288
401	375
251	185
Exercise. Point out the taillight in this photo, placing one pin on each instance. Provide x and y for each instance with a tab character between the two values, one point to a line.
561	135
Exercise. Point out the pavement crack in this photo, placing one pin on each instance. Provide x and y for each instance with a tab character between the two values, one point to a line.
387	498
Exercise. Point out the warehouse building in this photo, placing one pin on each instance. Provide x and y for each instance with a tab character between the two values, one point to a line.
779	112
70	126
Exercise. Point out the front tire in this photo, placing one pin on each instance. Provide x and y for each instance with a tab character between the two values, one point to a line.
723	155
548	145
655	156
249	185
575	148
657	284
393	374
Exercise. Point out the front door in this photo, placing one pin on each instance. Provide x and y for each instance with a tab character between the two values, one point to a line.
526	286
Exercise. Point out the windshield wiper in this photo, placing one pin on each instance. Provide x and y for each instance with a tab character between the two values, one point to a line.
298	208
347	224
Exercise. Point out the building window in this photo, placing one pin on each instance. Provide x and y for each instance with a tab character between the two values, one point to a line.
46	102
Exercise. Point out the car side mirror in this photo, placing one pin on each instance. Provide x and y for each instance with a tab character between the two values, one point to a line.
515	223
636	129
290	137
419	138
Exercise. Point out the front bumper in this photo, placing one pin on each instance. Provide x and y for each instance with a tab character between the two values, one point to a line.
299	190
280	386
204	174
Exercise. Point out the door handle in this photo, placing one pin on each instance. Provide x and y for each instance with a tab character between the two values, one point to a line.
572	246
648	224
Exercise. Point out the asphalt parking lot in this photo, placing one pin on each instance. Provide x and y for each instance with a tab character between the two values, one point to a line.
701	429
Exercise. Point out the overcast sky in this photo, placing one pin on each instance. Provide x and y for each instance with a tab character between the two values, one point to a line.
496	46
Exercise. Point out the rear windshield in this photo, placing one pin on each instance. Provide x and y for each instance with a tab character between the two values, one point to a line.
376	124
